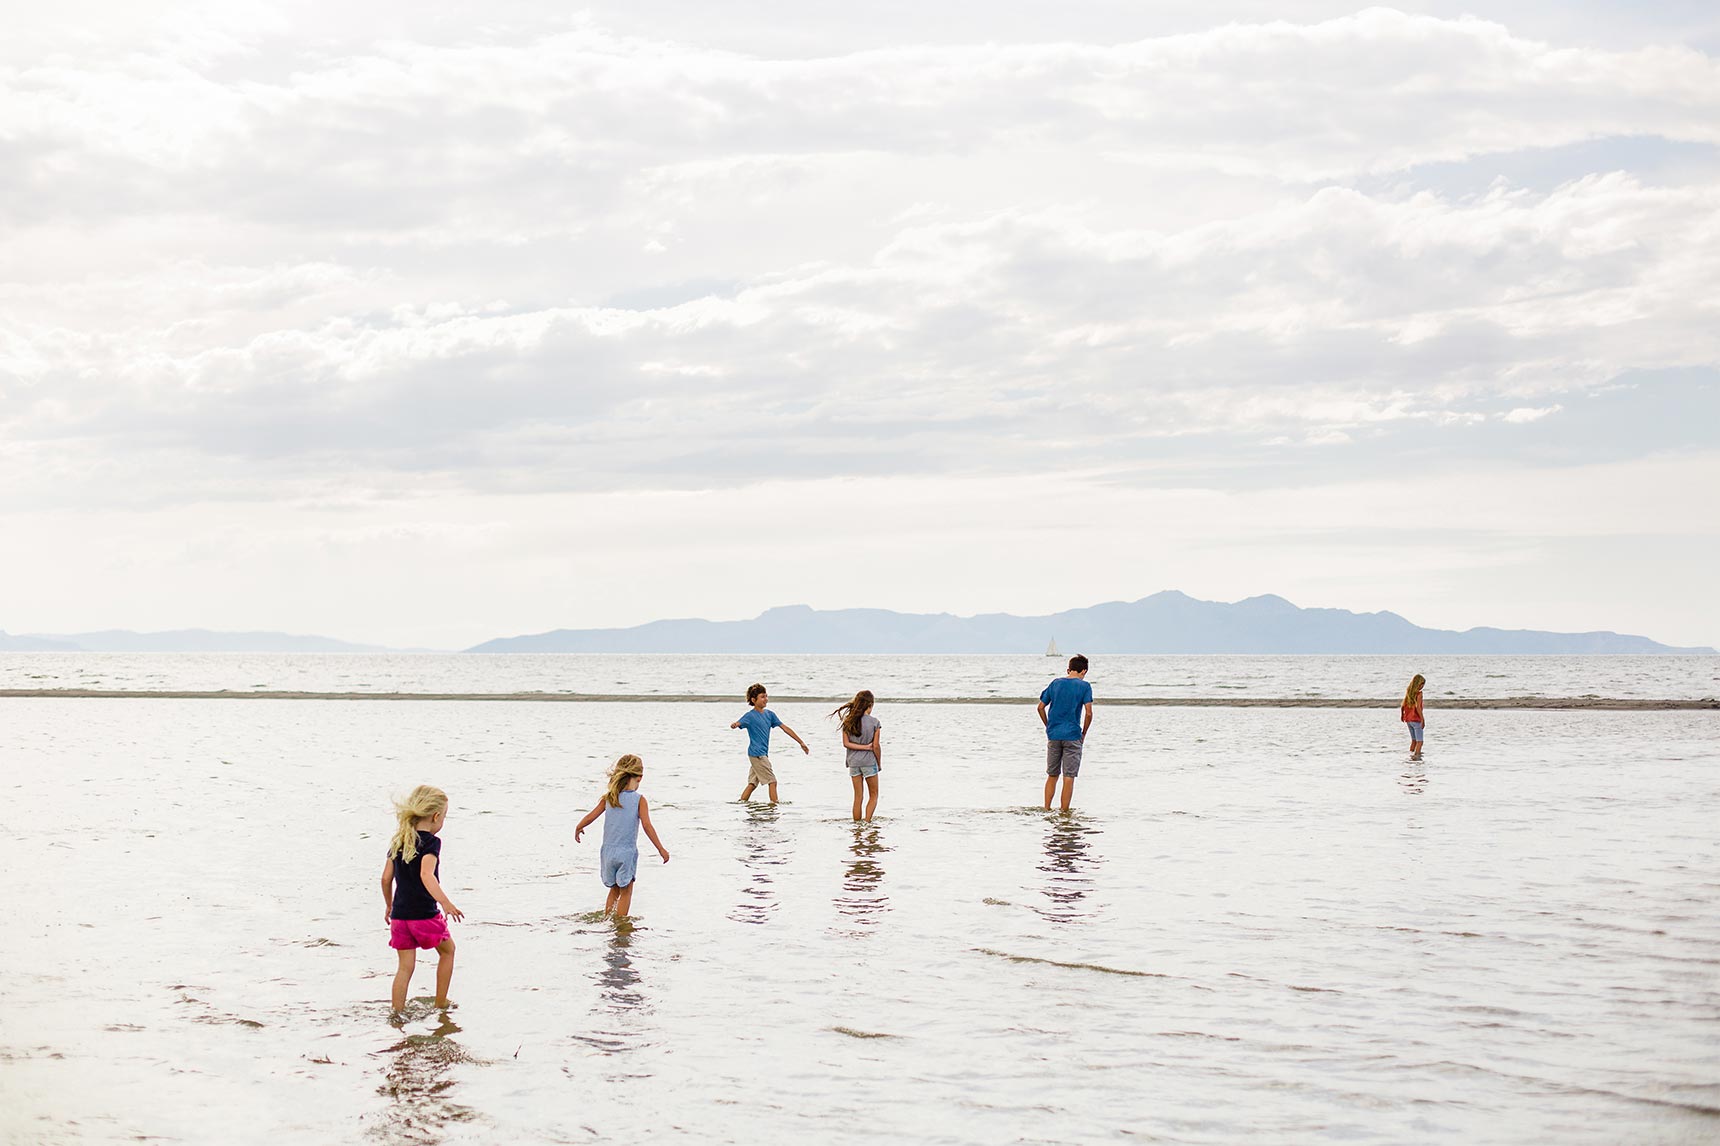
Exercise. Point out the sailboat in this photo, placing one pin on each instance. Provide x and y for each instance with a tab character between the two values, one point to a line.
1051	649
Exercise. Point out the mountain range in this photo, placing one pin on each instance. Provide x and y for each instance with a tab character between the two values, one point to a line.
1168	622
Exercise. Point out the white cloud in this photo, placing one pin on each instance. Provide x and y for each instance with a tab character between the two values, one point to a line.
267	259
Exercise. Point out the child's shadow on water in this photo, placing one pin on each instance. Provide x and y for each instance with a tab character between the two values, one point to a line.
1068	863
417	1084
761	850
863	899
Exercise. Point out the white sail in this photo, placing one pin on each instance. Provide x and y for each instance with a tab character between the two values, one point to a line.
1051	649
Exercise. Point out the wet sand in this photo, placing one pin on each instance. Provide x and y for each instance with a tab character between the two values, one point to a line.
1596	703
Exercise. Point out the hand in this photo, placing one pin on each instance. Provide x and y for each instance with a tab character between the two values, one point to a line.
804	748
664	854
388	918
577	832
454	913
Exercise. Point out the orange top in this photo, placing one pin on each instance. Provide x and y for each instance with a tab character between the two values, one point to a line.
1412	712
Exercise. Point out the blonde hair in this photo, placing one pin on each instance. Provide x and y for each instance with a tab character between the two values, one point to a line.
625	769
1412	694
854	710
425	803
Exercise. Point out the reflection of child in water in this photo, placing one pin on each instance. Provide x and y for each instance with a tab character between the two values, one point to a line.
1411	713
624	812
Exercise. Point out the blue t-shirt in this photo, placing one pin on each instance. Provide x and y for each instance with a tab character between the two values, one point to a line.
1064	698
758	725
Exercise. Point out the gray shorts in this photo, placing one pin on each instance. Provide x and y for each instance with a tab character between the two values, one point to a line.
1063	757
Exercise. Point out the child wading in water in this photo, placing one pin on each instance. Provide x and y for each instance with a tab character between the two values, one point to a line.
758	724
624	812
1066	710
863	741
1411	714
411	891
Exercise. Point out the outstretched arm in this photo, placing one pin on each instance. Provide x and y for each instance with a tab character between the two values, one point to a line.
796	736
589	818
650	831
434	887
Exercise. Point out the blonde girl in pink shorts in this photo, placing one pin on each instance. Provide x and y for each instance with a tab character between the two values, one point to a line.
411	891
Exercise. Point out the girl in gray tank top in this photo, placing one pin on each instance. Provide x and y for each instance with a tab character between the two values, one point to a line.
862	742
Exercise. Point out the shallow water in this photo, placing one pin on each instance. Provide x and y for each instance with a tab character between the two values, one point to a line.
1628	677
1259	924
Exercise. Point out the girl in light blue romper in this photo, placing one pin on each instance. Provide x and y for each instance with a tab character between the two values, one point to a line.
624	812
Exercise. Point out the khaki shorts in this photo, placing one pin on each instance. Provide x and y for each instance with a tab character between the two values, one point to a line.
761	771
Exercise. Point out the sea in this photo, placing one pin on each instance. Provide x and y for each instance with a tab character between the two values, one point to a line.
1255	925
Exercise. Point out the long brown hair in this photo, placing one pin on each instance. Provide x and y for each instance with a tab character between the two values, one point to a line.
853	711
625	769
1412	695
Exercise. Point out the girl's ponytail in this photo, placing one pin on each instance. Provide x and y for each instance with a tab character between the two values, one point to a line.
424	803
853	711
625	769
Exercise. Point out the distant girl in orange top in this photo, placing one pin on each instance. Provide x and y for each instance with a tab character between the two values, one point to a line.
1412	714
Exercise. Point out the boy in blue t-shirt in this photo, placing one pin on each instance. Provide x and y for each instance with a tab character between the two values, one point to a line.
1066	710
758	724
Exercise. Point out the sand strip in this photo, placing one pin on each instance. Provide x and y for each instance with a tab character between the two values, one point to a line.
1596	703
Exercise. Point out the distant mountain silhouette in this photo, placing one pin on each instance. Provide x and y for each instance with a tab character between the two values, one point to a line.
179	641
20	644
1168	622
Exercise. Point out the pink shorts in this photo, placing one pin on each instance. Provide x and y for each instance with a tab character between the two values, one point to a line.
405	934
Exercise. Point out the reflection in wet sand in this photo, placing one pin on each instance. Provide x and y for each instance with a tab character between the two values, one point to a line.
863	899
417	1086
761	851
622	1003
1414	781
1067	863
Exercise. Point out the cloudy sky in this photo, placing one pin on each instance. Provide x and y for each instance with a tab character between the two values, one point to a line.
406	324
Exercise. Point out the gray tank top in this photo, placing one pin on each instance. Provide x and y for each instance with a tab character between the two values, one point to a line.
868	729
621	825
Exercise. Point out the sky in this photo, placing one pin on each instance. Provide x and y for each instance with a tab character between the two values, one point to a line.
420	325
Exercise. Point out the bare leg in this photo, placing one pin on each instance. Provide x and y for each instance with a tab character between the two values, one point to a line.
1068	791
444	971
872	801
746	793
773	791
856	780
1050	790
403	977
609	901
623	901
1415	750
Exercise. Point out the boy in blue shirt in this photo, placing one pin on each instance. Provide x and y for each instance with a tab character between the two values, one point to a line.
1066	710
758	724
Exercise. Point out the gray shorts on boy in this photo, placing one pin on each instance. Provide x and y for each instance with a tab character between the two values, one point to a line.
1063	757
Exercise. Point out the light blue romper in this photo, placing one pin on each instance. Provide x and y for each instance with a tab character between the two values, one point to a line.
619	858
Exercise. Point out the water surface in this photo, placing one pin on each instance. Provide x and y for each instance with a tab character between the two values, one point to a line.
1256	924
